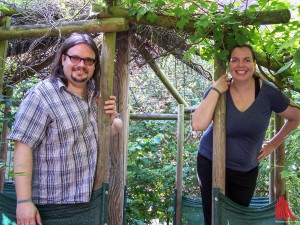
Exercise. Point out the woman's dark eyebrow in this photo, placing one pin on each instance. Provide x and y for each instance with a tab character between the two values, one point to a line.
248	57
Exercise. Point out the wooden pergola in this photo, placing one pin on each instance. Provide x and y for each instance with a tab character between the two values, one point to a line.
115	25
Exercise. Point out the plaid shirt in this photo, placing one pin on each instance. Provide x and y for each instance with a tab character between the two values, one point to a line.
61	129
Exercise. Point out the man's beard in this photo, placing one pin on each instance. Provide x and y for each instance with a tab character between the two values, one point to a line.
79	80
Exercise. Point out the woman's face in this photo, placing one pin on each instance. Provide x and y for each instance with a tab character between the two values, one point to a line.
241	64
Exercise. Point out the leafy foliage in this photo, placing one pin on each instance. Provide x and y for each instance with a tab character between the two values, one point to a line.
221	25
152	169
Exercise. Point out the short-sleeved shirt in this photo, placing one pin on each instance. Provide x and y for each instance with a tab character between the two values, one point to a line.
61	129
245	131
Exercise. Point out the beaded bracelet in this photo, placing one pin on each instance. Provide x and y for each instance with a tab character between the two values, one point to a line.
24	200
215	89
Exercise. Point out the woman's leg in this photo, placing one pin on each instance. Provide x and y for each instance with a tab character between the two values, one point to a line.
240	186
204	171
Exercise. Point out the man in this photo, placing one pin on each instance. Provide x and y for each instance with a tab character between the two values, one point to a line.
55	132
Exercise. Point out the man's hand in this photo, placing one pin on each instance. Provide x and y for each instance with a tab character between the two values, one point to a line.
27	214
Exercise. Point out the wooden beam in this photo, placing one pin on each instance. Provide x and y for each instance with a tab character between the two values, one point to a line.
151	62
66	28
106	90
147	116
262	17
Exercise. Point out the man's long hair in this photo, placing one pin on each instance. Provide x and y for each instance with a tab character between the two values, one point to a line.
74	39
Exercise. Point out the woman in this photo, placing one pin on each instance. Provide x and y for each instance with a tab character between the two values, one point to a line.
250	102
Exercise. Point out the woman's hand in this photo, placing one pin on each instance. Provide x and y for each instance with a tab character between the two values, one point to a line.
222	84
267	148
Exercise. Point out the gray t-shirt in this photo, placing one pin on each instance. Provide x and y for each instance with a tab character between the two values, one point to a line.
245	131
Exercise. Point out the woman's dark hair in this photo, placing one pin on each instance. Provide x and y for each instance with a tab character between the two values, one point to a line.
252	52
74	39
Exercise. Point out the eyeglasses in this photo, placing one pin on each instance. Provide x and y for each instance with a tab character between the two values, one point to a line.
76	59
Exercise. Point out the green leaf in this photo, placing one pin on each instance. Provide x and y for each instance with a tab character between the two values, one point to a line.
178	12
297	57
224	54
141	13
213	7
183	21
192	8
203	21
151	17
290	42
285	67
132	11
240	38
217	34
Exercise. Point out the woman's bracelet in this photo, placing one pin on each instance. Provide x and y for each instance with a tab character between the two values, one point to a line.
24	201
215	89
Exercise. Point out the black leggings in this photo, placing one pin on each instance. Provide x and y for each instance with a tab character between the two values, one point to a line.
239	186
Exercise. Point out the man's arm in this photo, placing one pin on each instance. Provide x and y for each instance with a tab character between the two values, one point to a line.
26	211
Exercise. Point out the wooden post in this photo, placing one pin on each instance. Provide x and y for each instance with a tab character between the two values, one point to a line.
3	150
272	165
219	135
280	188
180	137
117	172
3	51
106	88
3	143
280	184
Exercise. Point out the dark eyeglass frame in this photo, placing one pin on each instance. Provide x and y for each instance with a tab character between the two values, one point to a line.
76	60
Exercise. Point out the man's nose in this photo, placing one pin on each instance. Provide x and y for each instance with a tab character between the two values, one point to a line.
81	63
